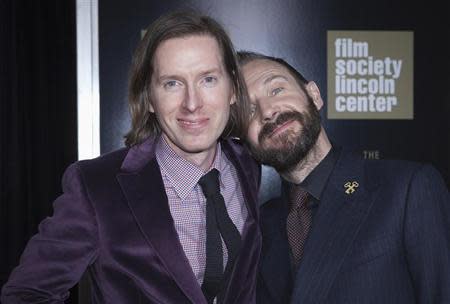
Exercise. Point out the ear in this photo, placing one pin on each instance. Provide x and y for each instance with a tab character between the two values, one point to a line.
314	92
233	99
148	100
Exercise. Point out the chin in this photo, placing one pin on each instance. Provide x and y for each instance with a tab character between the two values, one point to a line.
197	147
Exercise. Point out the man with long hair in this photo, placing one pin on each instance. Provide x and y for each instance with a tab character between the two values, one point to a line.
171	218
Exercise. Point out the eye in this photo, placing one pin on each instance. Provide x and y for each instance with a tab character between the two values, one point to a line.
209	81
276	91
171	84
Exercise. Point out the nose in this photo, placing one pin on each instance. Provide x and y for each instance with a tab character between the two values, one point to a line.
268	110
192	99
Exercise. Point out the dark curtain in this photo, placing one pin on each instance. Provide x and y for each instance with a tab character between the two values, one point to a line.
37	118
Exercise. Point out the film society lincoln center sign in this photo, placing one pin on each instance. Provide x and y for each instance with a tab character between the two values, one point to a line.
370	75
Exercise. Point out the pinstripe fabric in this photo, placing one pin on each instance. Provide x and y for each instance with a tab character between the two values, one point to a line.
388	242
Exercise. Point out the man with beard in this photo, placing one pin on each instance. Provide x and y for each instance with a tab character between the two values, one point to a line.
345	229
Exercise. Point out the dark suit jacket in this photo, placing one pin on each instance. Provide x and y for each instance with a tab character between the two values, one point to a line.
388	242
114	220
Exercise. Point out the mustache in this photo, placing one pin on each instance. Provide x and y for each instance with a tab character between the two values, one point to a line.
269	127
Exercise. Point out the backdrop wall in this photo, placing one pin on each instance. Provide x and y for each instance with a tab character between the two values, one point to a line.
38	116
38	85
297	31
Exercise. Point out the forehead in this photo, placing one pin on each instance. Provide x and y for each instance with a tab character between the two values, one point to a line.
193	50
262	72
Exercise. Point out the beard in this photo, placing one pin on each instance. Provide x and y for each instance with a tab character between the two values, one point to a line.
292	146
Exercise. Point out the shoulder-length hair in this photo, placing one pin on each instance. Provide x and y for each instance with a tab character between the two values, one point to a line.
175	25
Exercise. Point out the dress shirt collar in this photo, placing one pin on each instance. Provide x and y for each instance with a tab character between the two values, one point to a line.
316	181
182	174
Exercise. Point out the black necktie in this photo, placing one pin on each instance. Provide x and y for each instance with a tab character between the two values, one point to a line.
217	223
298	223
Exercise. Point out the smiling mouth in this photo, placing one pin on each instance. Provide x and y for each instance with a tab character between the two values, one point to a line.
280	128
193	123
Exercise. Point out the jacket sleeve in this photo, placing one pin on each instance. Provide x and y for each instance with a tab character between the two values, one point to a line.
55	259
427	236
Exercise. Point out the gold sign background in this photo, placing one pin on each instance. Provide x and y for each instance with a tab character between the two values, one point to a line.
370	74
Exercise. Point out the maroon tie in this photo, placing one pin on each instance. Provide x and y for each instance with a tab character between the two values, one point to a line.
298	222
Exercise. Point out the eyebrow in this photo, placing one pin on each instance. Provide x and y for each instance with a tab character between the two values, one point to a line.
203	73
274	77
212	71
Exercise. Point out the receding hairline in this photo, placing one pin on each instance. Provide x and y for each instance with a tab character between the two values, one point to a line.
272	75
300	80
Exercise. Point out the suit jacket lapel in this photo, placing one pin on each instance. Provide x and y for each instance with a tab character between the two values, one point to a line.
335	226
249	182
275	266
144	191
247	177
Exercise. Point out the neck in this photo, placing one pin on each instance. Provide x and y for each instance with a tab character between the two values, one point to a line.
318	152
203	159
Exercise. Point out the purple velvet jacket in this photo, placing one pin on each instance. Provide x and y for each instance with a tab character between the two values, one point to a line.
113	220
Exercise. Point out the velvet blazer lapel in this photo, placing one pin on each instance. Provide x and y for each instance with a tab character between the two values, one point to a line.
143	187
334	229
246	263
142	184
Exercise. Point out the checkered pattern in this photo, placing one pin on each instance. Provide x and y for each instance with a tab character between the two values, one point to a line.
188	204
298	222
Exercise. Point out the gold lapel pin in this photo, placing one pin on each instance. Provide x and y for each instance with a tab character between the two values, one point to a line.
351	187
